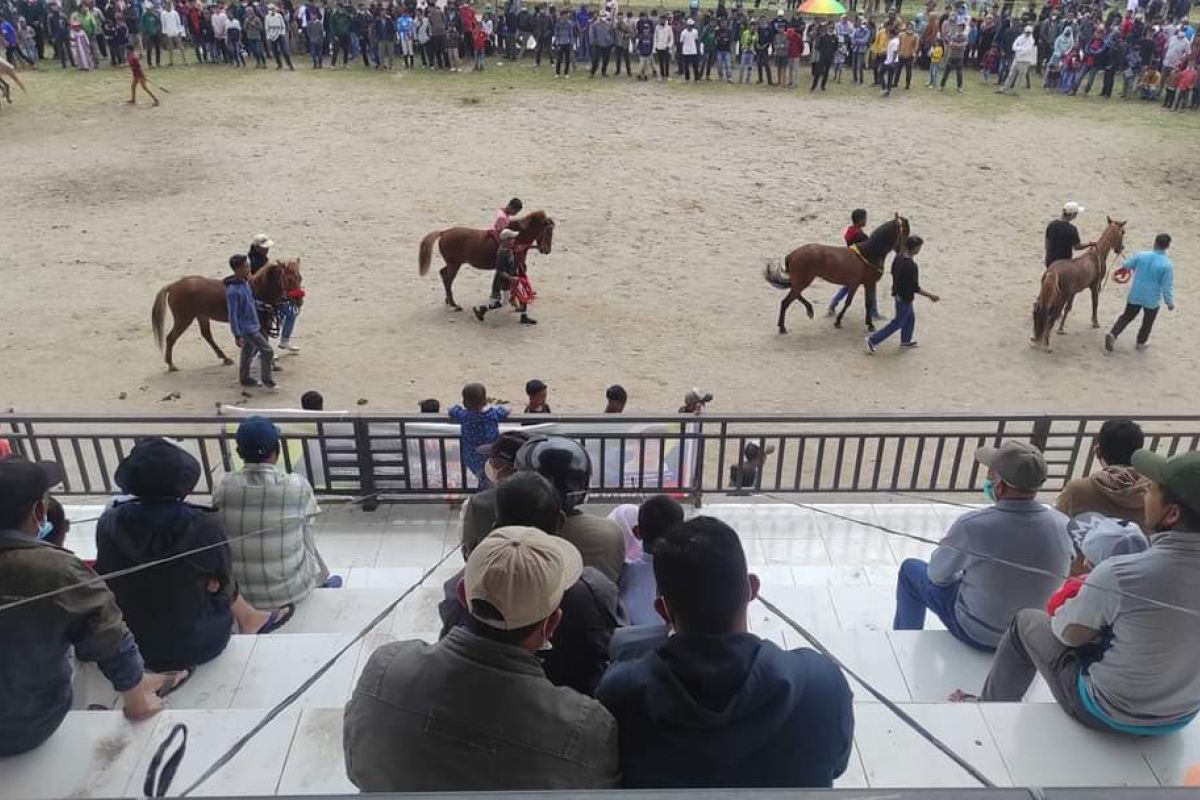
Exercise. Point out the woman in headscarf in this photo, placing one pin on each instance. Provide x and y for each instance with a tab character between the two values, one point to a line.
626	515
1062	46
181	612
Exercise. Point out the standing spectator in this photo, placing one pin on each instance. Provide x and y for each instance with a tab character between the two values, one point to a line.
564	42
423	37
314	32
181	612
824	52
1094	60
689	48
1024	50
233	40
152	36
479	45
172	31
1116	489
536	390
479	425
723	44
644	42
481	679
779	51
340	23
878	52
276	31
967	582
220	29
664	40
615	398
404	33
35	668
906	285
602	37
747	45
937	53
385	35
716	706
81	46
891	64
1153	283
795	51
955	47
197	25
254	38
909	45
59	32
279	565
245	325
625	30
860	42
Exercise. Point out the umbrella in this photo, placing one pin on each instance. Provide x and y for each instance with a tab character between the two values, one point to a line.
822	7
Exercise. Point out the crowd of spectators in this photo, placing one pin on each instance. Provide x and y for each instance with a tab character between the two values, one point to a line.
579	651
1151	46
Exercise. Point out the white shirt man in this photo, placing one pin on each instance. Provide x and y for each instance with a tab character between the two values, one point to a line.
689	40
274	25
172	25
220	24
1024	56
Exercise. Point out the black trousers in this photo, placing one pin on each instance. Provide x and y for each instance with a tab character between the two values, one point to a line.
905	64
153	41
622	54
664	63
691	67
280	50
600	56
562	59
820	71
1127	316
542	47
957	67
764	63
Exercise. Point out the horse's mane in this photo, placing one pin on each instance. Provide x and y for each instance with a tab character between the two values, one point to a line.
883	238
526	222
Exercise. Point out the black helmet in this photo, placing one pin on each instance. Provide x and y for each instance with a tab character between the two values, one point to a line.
561	461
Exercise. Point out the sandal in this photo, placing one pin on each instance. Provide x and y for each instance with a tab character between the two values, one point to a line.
959	696
165	690
279	617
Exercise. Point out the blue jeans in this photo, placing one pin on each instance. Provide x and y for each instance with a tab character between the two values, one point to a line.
915	593
905	321
289	313
841	295
724	68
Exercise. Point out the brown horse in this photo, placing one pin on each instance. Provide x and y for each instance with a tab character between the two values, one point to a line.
460	246
203	300
837	264
1066	277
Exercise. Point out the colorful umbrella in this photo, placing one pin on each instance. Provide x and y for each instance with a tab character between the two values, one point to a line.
822	7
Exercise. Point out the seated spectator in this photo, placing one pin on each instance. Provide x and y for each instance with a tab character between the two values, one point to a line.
744	475
974	596
1120	656
182	612
615	399
475	711
716	706
567	465
626	515
60	526
478	516
479	425
1097	538
579	651
1116	489
655	518
312	401
279	565
35	671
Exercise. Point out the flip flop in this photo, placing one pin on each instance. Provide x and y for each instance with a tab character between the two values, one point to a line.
187	673
279	617
959	696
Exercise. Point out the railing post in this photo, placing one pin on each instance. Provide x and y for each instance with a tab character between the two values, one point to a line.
366	464
1041	433
698	476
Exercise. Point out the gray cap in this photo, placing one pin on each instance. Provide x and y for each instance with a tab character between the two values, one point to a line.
1018	464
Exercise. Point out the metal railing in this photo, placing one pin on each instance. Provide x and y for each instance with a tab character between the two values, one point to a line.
417	457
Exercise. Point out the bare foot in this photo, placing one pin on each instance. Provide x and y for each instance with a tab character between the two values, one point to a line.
131	102
252	621
959	696
155	102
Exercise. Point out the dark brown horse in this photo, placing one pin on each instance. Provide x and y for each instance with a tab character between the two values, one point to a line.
203	300
837	264
476	247
1066	277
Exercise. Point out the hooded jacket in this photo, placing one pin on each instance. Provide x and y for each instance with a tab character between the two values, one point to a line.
1114	491
729	711
175	619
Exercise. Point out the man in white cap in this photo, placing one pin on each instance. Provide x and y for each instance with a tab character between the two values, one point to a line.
970	581
1062	237
1024	50
475	712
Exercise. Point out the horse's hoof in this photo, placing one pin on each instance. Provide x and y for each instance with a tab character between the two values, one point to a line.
837	323
173	368
1061	332
228	362
810	313
782	329
1095	325
871	328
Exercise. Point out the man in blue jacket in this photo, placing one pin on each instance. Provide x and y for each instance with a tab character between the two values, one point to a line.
1153	282
716	706
243	321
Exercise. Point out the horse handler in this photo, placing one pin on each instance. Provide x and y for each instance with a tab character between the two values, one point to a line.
1153	281
243	322
906	285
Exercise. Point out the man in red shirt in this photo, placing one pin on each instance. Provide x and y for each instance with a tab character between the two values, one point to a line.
137	76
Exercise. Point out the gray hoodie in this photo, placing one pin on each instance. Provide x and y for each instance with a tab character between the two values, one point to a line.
602	34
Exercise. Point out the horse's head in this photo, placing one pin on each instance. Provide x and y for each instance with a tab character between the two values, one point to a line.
891	235
545	239
538	228
280	281
1115	233
903	231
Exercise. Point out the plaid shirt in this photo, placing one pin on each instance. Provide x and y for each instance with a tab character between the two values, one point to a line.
280	564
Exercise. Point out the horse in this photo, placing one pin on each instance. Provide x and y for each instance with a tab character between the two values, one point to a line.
8	71
460	246
203	300
837	264
1066	277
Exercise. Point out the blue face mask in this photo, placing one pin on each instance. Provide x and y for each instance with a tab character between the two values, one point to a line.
45	529
989	489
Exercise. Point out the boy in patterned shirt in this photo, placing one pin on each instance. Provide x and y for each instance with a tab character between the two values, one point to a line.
480	426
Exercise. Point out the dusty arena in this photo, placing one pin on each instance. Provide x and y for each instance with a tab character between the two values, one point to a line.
668	201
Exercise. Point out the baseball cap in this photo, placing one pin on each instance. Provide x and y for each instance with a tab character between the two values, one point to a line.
23	483
534	386
257	436
521	573
1071	207
1179	475
1020	465
505	448
262	240
1099	537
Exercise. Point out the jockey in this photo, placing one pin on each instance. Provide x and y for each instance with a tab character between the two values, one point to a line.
259	246
505	215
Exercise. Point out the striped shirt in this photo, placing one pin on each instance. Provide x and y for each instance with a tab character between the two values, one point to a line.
280	564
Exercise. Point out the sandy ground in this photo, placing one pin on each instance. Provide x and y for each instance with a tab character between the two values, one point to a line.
667	200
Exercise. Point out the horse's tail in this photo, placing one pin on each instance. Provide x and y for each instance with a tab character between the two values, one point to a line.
776	274
158	313
1045	302
425	252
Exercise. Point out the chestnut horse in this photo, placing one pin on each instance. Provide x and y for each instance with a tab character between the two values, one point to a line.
1066	277
837	264
203	300
476	247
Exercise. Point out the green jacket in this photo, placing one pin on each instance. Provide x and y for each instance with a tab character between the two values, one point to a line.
151	23
340	25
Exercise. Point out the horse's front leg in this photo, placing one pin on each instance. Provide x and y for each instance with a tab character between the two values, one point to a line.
853	289
1062	323
783	307
448	274
1095	304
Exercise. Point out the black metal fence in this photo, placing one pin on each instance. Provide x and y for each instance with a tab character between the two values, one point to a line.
401	458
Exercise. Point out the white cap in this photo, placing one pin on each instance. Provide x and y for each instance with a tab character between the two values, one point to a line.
509	233
1071	207
262	240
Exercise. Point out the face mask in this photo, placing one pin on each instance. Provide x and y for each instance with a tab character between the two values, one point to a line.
989	489
45	529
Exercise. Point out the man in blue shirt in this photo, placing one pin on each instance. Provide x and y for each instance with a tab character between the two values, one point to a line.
1153	282
243	322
